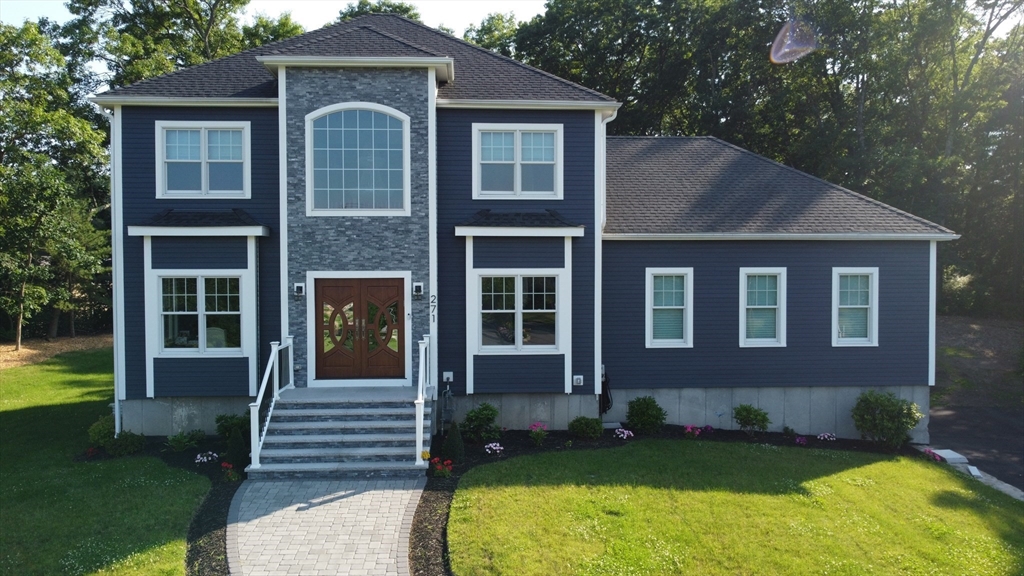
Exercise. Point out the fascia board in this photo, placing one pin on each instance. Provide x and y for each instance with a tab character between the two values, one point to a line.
528	104
576	231
111	101
198	231
445	67
822	236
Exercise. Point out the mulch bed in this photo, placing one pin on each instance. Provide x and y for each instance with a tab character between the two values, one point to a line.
429	536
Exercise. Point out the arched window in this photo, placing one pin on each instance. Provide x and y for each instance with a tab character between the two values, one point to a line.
357	160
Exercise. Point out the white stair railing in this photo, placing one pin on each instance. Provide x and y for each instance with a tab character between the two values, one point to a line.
422	384
257	436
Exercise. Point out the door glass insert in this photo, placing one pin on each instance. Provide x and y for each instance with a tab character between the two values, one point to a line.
372	343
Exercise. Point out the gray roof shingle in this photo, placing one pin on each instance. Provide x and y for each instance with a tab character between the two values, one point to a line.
479	74
702	185
546	219
202	218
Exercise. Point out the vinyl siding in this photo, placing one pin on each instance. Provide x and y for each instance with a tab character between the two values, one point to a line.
518	253
456	206
809	359
140	204
198	252
201	377
542	373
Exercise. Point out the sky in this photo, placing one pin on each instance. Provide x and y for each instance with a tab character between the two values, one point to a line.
312	14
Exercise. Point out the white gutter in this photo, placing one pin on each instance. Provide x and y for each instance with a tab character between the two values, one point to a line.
444	66
112	101
529	104
785	236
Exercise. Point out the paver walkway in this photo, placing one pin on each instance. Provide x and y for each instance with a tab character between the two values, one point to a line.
319	527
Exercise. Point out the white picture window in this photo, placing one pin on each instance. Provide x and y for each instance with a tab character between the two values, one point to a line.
357	161
669	305
517	161
762	307
196	160
855	306
201	313
518	312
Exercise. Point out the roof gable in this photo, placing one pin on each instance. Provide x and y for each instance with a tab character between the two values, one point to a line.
702	186
480	73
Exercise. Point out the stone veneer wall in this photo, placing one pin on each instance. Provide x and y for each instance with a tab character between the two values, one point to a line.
808	411
326	243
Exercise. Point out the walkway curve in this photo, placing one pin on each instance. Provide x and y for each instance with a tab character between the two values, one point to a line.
352	527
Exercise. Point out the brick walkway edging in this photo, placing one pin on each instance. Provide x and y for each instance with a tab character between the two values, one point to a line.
412	489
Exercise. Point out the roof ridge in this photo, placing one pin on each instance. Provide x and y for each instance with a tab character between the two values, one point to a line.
398	38
503	57
837	187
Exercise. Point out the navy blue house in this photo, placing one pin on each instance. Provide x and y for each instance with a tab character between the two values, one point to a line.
335	230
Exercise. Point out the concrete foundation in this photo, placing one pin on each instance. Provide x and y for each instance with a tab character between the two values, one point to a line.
518	411
808	411
167	416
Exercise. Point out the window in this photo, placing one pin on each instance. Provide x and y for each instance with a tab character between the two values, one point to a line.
209	159
357	161
518	312
854	306
762	307
669	307
201	313
517	161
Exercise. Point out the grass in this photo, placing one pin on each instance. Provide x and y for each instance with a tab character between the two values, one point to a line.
679	507
57	516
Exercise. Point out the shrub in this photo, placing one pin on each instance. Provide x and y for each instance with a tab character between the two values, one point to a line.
126	444
583	427
538	432
227	423
884	418
101	432
750	418
237	452
453	448
644	415
184	440
479	424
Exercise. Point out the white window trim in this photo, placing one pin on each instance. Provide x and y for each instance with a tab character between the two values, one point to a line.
687	340
203	126
312	334
406	209
517	194
562	315
780	340
872	339
154	317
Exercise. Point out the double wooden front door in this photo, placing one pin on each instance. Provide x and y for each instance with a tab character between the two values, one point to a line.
362	328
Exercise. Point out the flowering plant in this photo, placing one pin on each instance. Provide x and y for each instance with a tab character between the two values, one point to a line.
229	472
801	441
707	429
494	448
538	432
204	457
623	434
827	436
691	431
442	469
931	454
425	455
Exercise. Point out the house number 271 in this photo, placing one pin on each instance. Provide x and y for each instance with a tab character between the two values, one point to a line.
433	308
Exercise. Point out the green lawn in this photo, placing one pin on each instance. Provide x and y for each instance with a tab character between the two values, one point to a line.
691	507
123	516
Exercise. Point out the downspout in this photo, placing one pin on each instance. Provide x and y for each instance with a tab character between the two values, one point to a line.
607	117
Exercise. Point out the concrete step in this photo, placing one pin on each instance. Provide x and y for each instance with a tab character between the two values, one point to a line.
344	427
286	455
339	440
332	470
346	404
290	413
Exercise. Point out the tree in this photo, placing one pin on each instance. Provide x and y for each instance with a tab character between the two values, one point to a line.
364	7
265	30
497	32
45	151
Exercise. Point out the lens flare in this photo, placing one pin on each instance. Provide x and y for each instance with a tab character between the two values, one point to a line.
795	40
